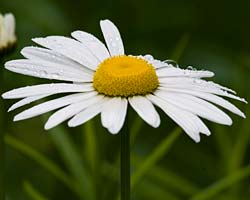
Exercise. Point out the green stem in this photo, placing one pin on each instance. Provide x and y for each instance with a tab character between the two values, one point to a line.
125	163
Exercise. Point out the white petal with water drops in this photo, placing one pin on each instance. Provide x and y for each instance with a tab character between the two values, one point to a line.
96	47
208	97
50	56
52	88
71	49
47	70
177	72
197	85
197	106
112	37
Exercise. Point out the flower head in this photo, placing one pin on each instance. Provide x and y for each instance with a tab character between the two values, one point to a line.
104	81
7	31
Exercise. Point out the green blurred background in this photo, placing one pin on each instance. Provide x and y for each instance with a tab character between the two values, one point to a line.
82	163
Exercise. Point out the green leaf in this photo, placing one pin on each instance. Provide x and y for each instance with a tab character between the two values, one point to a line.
180	47
155	156
239	149
32	192
146	190
90	145
72	160
135	129
222	184
168	178
43	161
223	142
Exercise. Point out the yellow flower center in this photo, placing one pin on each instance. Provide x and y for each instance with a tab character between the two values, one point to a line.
125	76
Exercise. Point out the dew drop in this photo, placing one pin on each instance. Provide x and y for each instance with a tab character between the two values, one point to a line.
149	57
172	63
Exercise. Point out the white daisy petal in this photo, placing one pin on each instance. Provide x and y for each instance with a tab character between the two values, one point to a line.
96	47
156	63
71	110
198	85
114	113
26	101
50	56
193	81
69	48
202	127
47	70
209	97
87	114
145	110
177	72
112	37
52	105
52	88
197	106
183	118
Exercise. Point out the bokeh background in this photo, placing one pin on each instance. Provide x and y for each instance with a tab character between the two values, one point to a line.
83	163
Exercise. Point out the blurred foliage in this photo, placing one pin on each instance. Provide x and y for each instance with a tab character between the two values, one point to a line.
81	163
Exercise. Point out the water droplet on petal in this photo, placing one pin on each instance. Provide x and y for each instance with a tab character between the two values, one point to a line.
172	63
149	57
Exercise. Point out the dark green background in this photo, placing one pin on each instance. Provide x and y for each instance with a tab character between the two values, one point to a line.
216	36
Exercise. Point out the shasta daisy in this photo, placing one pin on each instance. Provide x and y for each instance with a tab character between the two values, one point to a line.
104	81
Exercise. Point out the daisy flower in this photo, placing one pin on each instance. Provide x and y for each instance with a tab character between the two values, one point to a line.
7	31
104	80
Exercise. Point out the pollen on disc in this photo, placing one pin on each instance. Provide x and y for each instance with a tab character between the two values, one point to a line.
125	76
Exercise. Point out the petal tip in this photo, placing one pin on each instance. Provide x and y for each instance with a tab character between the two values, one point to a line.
113	132
197	139
17	118
10	109
5	95
47	126
70	124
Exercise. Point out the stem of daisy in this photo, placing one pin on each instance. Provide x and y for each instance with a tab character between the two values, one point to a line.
125	162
